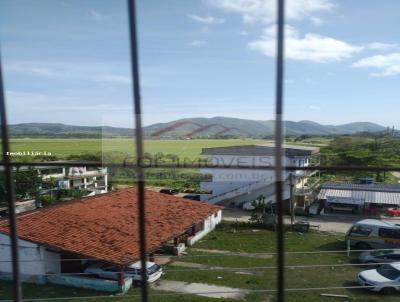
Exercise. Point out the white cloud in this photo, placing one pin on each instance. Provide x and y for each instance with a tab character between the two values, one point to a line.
388	64
381	46
206	19
311	47
26	106
197	43
74	71
317	21
243	33
264	11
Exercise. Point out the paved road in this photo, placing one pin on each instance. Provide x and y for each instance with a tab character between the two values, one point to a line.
328	223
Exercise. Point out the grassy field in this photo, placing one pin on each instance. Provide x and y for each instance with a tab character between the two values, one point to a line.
124	146
254	276
64	147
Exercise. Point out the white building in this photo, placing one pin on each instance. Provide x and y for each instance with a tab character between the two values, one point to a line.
236	186
36	260
94	179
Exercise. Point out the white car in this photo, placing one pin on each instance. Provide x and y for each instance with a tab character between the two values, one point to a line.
109	271
384	279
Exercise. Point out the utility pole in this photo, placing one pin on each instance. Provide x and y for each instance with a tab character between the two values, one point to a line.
291	201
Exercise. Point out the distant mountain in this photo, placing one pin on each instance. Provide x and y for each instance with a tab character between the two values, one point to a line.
61	130
193	127
222	126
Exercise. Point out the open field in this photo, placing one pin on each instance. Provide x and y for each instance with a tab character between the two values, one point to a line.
125	146
250	272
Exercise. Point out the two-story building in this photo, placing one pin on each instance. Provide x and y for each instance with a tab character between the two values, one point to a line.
237	186
93	179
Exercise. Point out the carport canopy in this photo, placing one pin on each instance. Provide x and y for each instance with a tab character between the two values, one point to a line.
358	194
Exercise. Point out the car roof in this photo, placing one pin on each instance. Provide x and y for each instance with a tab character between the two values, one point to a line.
377	222
396	265
138	265
386	251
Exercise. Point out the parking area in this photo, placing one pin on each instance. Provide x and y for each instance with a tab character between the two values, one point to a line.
230	257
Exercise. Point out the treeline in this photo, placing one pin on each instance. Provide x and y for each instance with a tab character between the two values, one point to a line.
365	151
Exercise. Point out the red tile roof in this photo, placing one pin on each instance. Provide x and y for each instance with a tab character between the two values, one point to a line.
105	226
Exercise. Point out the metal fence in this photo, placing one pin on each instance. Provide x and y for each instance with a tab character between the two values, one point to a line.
279	168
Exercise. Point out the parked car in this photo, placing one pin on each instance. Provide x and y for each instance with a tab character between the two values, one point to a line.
341	207
384	279
110	271
385	256
192	196
372	233
394	212
168	191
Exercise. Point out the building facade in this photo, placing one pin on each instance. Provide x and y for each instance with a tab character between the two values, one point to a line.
93	179
237	186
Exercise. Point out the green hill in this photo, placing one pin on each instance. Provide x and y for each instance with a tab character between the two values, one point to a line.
211	127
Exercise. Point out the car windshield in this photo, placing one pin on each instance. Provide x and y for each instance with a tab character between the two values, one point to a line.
381	253
388	272
153	269
130	270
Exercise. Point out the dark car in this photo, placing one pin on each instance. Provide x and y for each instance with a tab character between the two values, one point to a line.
168	191
384	256
192	196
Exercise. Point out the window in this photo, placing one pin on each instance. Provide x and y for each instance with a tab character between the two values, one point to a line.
382	253
388	272
394	257
110	268
132	271
389	233
361	230
198	227
153	269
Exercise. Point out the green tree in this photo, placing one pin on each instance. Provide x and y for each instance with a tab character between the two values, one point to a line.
27	183
260	214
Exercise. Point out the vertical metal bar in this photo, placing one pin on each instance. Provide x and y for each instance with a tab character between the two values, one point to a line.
139	144
9	182
279	151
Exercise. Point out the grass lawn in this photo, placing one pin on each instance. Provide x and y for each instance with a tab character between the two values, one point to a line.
263	241
248	240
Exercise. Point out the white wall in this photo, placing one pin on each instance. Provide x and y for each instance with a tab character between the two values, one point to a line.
225	180
209	224
52	261
36	261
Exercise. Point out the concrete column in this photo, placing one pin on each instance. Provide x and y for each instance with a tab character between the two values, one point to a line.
106	182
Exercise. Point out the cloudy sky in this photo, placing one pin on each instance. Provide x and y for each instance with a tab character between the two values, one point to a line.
68	60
